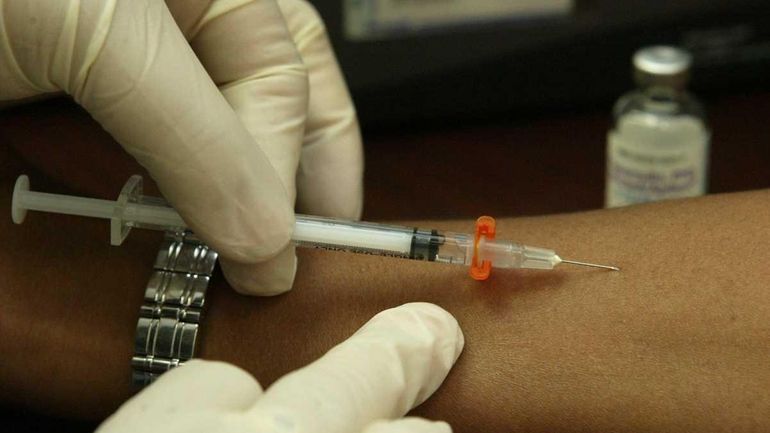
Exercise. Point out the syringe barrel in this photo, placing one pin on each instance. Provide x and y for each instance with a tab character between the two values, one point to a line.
385	240
367	238
132	209
455	248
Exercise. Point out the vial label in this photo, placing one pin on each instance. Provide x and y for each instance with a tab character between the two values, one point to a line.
644	170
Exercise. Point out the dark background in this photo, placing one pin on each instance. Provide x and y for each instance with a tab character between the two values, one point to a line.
510	118
502	70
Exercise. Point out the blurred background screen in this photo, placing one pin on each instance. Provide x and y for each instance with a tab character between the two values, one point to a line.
418	61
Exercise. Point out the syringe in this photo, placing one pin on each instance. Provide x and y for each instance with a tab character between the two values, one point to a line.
481	251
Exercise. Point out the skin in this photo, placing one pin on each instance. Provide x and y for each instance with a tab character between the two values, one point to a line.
677	341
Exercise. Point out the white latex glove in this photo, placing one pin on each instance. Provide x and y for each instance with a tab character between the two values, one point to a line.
219	122
393	363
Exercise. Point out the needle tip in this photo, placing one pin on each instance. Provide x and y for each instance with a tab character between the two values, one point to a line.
593	265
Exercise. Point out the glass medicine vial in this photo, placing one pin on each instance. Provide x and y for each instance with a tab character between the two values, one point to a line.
658	148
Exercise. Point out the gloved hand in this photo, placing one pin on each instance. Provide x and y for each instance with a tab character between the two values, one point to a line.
226	124
393	363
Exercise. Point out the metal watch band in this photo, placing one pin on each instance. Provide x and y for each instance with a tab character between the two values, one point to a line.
167	330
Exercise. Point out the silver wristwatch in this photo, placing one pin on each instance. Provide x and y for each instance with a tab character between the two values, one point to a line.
167	330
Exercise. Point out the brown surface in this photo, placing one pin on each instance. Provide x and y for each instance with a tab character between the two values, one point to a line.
547	165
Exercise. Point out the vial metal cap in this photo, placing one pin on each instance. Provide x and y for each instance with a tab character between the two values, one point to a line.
662	60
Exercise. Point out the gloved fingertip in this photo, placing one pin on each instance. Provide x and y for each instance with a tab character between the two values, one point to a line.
203	371
198	385
408	425
439	321
341	200
353	210
277	238
252	241
268	278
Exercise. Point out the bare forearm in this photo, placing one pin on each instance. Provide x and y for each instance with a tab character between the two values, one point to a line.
677	341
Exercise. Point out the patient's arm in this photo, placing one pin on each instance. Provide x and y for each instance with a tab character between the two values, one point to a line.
677	341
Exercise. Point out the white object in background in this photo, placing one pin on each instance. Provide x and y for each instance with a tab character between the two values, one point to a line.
659	147
650	159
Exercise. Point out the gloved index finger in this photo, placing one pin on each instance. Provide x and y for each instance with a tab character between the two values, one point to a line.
129	65
330	173
393	363
248	52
